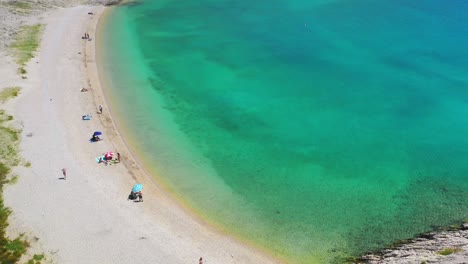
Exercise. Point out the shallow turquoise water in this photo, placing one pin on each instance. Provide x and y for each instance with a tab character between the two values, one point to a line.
315	129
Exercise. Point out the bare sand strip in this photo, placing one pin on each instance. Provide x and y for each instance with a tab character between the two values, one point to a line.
87	218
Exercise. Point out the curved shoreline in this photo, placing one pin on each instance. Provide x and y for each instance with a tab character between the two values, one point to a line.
38	186
130	160
138	169
102	226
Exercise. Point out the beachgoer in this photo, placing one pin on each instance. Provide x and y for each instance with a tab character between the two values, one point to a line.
200	261
140	196
118	156
103	160
100	108
64	172
83	90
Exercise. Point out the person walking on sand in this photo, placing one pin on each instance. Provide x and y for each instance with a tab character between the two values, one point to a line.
64	172
100	109
118	157
200	261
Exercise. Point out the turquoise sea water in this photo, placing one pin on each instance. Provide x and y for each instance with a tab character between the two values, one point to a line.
314	129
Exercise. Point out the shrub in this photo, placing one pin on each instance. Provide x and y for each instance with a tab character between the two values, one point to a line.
448	251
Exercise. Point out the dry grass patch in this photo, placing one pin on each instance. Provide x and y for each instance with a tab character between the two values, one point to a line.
23	5
25	44
9	92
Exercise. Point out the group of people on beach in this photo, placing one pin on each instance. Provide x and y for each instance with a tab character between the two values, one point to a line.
95	138
136	195
86	36
109	159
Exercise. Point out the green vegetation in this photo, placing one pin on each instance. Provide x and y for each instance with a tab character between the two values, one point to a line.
36	259
17	245
22	70
9	137
25	44
4	170
19	5
11	250
9	92
13	180
9	140
448	251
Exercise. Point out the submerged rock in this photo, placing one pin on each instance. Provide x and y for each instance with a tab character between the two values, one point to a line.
465	226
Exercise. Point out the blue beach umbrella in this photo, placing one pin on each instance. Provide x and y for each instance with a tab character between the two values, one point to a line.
97	133
137	187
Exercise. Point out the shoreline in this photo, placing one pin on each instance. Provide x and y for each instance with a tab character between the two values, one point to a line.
447	245
97	203
138	169
38	185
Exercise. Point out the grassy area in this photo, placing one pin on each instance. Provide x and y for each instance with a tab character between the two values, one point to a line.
9	92
13	179
9	140
36	259
25	44
448	251
23	5
11	250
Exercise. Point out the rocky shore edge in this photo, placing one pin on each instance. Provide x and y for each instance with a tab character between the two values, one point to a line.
449	246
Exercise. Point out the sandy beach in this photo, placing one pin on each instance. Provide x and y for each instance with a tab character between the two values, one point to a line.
87	217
